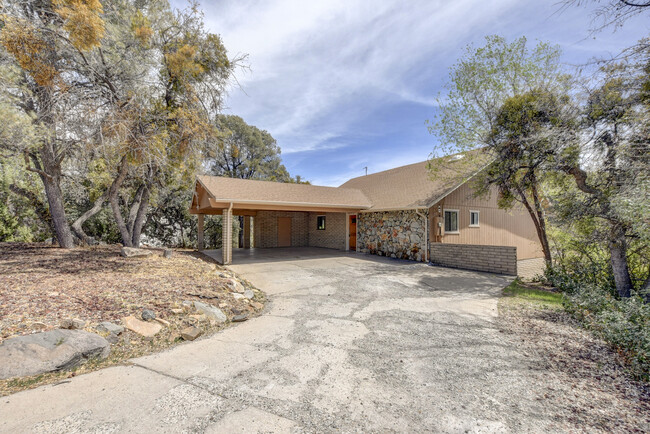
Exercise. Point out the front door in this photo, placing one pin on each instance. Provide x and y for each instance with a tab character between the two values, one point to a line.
353	232
284	231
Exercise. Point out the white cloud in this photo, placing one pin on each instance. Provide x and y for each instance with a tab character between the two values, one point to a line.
312	61
325	72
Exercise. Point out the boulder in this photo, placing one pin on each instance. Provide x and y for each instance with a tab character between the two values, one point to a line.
191	333
240	318
168	253
235	286
148	315
73	324
238	296
212	312
109	327
54	350
249	294
146	329
132	252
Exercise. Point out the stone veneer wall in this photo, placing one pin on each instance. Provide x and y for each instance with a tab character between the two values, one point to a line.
266	228
396	234
493	259
333	237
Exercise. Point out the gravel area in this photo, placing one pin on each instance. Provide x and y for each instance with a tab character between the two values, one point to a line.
583	379
43	287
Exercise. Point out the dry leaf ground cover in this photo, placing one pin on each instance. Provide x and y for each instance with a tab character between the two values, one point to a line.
41	285
592	389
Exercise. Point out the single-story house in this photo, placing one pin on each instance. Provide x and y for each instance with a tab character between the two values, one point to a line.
405	213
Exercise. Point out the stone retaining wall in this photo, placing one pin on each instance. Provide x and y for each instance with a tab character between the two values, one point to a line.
396	234
493	259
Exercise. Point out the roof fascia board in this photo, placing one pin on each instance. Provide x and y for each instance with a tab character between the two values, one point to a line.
444	195
273	202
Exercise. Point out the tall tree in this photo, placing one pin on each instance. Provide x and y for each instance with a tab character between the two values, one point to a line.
246	152
40	41
130	88
524	140
613	160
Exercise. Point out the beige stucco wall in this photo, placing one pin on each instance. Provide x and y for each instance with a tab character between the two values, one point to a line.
334	235
497	227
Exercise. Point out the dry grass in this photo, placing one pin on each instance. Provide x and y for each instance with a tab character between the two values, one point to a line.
41	285
583	378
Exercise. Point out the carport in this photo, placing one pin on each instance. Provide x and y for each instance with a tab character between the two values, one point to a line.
280	214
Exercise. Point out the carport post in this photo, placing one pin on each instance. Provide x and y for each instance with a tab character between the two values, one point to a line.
247	232
226	235
200	232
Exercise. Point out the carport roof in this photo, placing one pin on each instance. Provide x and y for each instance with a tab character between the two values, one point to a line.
254	192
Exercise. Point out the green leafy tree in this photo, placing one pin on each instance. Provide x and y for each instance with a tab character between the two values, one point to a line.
500	101
246	152
611	164
41	43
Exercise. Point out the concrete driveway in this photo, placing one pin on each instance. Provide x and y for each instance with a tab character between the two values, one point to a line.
348	343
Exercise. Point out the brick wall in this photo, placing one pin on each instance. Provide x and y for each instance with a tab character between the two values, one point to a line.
266	228
333	237
493	259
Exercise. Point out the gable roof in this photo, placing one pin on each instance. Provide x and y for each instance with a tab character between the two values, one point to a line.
407	187
413	186
248	191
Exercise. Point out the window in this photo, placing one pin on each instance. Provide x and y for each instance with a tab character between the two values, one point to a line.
473	219
320	222
451	221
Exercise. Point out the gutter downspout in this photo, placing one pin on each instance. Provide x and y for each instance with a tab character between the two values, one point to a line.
426	235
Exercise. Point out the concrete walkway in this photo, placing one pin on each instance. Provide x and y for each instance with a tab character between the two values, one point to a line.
348	343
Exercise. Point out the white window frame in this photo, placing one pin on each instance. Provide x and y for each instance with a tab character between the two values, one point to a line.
457	231
324	221
478	214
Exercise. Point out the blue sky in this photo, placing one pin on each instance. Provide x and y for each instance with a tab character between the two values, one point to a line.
344	84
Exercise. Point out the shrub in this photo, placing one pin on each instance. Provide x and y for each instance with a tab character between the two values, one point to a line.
623	323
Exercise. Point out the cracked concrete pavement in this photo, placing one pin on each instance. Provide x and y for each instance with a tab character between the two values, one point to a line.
347	343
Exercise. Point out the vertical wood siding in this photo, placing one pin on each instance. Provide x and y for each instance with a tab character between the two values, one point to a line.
497	227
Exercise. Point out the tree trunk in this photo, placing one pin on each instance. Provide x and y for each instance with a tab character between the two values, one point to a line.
77	226
51	182
115	205
540	226
541	219
618	253
135	207
140	217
